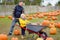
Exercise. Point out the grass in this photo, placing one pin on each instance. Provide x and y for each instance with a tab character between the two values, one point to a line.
5	24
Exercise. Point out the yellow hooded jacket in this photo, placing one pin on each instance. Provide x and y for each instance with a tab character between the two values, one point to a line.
23	22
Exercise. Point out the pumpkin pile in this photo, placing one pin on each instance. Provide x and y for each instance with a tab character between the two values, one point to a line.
49	15
49	19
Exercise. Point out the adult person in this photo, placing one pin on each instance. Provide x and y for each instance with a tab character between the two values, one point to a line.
16	14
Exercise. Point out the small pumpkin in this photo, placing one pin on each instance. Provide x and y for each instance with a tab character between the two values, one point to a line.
45	23
54	18
10	17
34	16
17	32
49	38
40	16
57	25
14	38
45	14
3	37
51	25
39	39
2	16
53	31
30	18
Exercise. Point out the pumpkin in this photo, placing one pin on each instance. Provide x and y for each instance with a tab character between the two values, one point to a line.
49	16
38	13
10	17
53	30
27	15
51	25
17	32
54	18
34	16
2	16
45	23
39	39
49	38
46	18
40	16
30	18
45	14
14	38
3	37
57	25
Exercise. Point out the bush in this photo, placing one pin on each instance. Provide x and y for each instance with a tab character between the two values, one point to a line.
16	1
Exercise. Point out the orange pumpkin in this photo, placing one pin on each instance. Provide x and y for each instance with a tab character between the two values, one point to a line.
10	17
30	18
27	15
34	16
40	16
46	18
49	38
53	30
45	23
45	14
54	18
49	16
57	25
51	25
17	32
3	37
38	13
14	38
2	16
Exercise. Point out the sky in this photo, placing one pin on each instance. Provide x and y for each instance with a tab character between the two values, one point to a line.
52	2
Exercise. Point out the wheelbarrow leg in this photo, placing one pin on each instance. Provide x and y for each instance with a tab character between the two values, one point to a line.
43	34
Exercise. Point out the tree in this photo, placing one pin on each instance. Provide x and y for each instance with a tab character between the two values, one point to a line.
16	1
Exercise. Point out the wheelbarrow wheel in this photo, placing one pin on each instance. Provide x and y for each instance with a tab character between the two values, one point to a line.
43	35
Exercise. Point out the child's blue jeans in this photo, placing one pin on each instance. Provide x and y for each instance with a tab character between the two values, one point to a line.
23	31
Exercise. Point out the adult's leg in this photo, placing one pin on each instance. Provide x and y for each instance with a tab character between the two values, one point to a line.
12	26
18	22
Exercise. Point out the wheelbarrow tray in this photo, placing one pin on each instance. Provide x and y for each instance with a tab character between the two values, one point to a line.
35	28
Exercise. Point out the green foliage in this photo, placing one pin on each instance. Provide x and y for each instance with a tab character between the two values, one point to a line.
16	1
58	3
35	2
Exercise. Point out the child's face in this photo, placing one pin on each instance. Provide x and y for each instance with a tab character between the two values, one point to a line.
23	16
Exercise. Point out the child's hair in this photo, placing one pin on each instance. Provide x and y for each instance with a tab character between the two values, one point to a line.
22	15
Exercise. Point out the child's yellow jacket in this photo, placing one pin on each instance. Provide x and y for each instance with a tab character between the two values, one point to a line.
23	22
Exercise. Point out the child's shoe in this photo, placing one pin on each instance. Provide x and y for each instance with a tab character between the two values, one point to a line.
22	37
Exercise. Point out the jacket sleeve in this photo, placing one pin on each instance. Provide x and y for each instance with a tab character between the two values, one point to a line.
23	10
14	12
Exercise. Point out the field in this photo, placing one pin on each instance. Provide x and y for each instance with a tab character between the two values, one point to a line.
5	24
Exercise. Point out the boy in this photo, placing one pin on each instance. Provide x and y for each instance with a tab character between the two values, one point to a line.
23	23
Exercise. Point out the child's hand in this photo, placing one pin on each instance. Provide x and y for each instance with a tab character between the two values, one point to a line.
34	23
13	18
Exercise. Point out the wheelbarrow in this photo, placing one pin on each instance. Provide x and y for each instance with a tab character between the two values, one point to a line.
37	29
